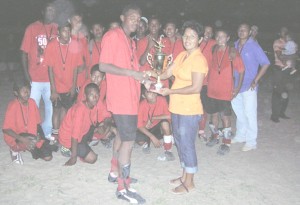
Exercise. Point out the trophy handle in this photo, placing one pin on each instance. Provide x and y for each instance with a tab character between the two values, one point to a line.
150	59
170	59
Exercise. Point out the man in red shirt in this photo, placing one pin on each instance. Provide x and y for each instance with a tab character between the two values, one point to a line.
78	127
119	60
62	64
79	37
97	31
154	124
206	48
221	88
36	38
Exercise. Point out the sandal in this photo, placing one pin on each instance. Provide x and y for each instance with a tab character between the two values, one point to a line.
176	182
185	190
16	157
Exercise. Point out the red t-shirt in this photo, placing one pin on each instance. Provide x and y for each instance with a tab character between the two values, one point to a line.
57	53
174	48
147	111
81	46
35	41
21	119
76	123
95	55
206	49
103	113
220	83
123	93
102	88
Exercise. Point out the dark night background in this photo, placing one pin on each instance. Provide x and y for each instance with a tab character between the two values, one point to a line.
269	15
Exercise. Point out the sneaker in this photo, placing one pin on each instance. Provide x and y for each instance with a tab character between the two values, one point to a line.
93	143
202	136
284	68
212	141
247	148
16	157
169	156
234	140
65	151
130	195
166	156
114	179
293	72
146	148
223	149
106	143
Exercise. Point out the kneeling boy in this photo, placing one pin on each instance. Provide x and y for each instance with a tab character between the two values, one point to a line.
78	127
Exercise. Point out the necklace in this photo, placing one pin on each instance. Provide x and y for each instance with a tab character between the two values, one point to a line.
204	45
130	48
63	59
48	37
220	62
97	46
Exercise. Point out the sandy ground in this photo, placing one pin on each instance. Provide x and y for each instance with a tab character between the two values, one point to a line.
268	175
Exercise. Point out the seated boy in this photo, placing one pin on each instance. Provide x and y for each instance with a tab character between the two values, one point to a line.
78	127
105	130
20	126
153	124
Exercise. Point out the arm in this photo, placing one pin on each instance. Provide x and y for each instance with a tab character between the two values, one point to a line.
195	88
260	74
54	95
161	117
240	83
165	75
74	81
73	157
153	139
112	69
24	59
143	58
29	142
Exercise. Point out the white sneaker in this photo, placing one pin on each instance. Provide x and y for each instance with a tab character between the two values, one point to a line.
234	140
247	148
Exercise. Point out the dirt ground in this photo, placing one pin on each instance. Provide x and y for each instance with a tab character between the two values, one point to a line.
268	175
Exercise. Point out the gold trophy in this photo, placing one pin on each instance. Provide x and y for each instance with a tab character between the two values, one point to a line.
157	62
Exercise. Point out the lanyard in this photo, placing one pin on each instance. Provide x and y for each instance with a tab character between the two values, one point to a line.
222	58
63	59
25	119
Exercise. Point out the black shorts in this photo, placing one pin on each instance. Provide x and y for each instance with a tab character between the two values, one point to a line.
218	106
156	131
126	126
83	148
204	97
65	101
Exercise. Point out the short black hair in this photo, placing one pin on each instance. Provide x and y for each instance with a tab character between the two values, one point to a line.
18	84
223	29
95	68
131	7
194	25
171	21
90	87
63	25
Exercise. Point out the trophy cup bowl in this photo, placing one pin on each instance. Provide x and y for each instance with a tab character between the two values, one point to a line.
158	60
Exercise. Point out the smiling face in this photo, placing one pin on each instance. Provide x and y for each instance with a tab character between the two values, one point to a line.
97	31
23	94
190	39
208	33
154	27
222	38
130	20
170	30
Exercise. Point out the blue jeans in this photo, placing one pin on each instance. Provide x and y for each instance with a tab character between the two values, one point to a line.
185	131
245	107
38	90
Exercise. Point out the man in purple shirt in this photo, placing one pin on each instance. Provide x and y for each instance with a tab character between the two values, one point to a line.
245	103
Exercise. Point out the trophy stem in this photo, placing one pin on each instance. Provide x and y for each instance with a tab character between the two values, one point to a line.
158	84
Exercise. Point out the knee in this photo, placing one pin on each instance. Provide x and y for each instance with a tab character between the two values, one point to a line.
91	158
